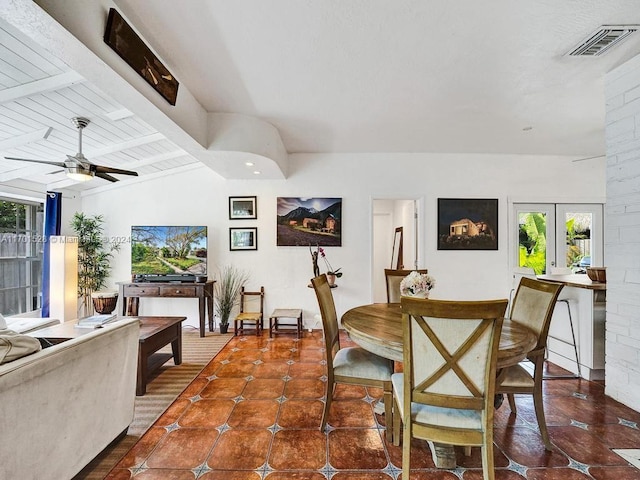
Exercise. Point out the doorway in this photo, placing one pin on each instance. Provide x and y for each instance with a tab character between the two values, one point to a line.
387	216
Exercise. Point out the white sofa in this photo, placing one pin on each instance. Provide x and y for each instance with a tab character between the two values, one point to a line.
28	324
61	406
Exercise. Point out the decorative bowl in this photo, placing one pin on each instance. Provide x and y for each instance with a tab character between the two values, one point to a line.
597	274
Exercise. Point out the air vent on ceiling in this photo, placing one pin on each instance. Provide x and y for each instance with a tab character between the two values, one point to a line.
602	40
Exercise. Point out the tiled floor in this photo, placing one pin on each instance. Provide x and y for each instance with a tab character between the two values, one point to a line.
254	413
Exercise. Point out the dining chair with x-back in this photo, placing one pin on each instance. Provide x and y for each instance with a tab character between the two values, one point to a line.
533	307
393	279
351	365
445	393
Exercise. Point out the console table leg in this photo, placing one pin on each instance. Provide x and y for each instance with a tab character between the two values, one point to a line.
201	302
131	305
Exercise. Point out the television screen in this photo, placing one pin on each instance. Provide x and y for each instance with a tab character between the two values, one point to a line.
168	250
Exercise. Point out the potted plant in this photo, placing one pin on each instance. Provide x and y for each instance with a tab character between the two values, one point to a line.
94	257
227	293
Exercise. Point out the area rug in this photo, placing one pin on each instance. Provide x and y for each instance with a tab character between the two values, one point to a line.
163	388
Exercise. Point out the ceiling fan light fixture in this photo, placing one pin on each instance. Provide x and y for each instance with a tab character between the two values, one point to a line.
79	174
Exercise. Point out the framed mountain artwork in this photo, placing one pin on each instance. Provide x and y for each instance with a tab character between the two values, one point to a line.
304	221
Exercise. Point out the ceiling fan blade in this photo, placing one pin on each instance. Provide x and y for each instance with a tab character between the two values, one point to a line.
105	176
103	169
45	162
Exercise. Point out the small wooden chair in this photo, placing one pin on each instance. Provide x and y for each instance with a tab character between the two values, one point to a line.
248	312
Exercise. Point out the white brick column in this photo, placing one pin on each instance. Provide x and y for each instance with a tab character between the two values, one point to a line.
622	233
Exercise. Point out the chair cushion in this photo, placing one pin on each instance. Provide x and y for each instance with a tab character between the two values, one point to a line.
358	363
431	415
249	316
515	376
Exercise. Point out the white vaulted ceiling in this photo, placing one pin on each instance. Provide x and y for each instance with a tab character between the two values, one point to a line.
330	76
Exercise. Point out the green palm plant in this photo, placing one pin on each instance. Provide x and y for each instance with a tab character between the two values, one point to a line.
533	241
227	291
94	256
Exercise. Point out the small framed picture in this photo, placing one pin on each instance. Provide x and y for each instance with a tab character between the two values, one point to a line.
243	238
242	208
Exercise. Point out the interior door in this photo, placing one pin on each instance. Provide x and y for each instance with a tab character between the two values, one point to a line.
388	216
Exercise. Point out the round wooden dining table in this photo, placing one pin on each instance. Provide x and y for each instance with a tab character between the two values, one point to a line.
378	329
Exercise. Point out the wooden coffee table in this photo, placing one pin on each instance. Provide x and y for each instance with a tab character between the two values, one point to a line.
155	333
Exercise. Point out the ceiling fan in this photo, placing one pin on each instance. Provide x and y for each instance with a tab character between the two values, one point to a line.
77	166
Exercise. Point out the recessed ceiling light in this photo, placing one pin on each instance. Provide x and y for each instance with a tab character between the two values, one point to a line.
257	172
249	164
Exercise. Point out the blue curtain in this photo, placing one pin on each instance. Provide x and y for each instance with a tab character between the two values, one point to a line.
52	217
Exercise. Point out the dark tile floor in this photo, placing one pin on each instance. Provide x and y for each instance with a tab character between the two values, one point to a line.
254	413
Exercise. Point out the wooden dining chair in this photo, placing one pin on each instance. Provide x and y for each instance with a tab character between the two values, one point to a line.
350	365
533	307
445	393
393	279
251	311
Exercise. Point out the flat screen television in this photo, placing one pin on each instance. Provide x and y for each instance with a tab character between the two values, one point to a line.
168	253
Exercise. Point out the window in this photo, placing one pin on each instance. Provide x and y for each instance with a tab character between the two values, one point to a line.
21	225
558	235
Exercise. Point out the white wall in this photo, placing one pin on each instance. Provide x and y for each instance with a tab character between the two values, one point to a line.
622	234
199	196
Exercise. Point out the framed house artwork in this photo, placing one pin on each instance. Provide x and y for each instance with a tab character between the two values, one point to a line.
125	42
242	208
243	238
304	221
467	224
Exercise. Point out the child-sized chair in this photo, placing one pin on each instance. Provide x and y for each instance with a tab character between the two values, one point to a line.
249	311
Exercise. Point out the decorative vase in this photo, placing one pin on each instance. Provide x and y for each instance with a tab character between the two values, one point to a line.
331	279
419	294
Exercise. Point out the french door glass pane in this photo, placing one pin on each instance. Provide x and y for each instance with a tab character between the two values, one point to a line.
578	238
532	241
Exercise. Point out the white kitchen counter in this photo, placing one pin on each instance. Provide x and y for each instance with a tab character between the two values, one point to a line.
587	301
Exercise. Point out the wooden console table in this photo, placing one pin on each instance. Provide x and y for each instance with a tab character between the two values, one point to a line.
130	293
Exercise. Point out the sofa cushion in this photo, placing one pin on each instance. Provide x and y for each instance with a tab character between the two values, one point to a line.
14	345
3	322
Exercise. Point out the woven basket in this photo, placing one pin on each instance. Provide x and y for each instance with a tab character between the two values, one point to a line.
597	274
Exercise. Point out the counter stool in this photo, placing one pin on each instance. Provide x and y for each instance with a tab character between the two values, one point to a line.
565	271
285	313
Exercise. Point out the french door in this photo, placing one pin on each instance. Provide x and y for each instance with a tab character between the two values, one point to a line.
551	235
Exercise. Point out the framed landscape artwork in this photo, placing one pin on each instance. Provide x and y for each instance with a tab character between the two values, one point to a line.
243	238
242	208
467	224
304	221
